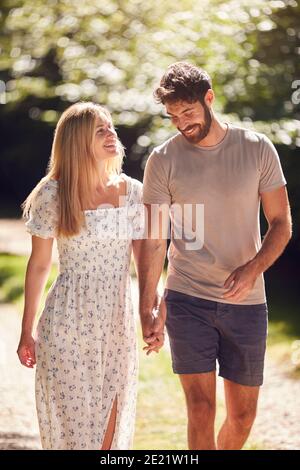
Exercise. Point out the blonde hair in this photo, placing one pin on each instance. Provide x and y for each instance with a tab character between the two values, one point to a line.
74	165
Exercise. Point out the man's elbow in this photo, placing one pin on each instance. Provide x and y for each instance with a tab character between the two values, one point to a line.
287	229
283	227
289	232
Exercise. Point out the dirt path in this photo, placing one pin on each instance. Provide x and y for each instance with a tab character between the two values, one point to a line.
277	425
18	423
15	239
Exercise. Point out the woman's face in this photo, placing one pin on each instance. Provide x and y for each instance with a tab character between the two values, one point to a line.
105	139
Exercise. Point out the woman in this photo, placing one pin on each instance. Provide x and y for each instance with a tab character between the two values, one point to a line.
85	343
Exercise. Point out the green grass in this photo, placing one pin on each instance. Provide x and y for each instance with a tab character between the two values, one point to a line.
12	269
161	405
12	276
284	322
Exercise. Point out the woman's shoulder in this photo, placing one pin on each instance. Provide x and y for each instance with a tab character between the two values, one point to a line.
49	185
43	212
47	192
134	189
133	182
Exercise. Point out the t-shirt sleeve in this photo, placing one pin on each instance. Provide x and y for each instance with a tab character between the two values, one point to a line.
156	188
271	174
43	214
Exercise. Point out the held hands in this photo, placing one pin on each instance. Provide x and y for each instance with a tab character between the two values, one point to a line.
153	326
241	282
26	351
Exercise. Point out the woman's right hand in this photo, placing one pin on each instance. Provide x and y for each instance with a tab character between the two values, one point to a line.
26	351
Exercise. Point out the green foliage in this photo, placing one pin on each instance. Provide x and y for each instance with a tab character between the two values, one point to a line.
12	275
115	52
266	84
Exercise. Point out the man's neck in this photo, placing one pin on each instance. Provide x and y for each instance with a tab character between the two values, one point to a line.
216	134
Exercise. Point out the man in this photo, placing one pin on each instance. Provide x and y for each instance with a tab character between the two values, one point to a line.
215	296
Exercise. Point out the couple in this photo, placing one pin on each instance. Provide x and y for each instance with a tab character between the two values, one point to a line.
214	304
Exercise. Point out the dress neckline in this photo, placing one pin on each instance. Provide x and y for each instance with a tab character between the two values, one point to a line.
128	191
127	195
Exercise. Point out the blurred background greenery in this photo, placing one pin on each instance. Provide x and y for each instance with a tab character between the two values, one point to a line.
54	53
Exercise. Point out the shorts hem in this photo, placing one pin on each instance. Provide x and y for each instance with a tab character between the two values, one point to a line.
193	370
241	379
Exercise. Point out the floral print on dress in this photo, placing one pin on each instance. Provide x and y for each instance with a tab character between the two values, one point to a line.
86	347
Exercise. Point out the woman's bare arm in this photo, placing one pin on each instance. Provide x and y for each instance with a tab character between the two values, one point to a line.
37	272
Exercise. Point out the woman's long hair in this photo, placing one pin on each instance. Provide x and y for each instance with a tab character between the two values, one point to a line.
74	165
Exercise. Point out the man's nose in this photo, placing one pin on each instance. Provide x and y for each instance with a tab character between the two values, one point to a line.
182	123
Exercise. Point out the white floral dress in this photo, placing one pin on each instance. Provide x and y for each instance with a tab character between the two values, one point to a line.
86	347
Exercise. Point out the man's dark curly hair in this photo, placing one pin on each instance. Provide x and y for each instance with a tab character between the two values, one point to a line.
183	81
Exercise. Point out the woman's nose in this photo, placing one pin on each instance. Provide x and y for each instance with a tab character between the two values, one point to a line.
111	131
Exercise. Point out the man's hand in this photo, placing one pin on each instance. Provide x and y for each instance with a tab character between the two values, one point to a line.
153	326
241	282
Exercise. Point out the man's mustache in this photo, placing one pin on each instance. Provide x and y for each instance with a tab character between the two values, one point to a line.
188	128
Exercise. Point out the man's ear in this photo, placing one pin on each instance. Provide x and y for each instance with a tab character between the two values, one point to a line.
209	97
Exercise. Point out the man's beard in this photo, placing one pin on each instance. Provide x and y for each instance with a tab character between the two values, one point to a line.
203	129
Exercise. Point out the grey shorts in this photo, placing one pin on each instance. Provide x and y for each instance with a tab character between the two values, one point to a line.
202	332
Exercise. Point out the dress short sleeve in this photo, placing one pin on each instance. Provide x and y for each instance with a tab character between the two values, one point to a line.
43	214
137	212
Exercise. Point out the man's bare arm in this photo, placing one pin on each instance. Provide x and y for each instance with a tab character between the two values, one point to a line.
277	212
153	251
150	256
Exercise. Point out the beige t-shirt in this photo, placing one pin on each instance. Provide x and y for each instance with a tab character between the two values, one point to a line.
226	181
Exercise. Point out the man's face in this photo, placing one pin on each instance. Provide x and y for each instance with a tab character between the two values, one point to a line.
193	120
